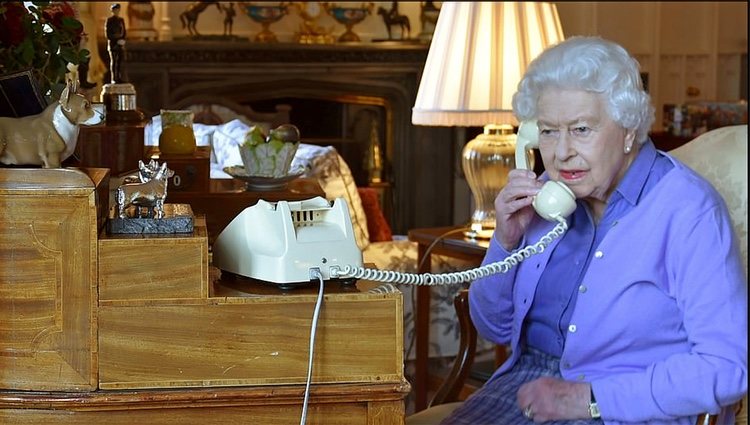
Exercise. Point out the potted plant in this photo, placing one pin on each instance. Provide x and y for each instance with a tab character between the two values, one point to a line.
43	37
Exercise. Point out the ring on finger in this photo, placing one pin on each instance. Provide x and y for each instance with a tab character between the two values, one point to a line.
528	413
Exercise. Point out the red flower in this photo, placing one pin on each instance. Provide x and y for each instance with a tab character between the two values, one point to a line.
55	14
44	37
11	23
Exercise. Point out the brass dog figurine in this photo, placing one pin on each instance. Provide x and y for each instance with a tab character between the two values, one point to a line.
47	138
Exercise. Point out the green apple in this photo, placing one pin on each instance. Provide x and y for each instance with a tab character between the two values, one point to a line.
254	136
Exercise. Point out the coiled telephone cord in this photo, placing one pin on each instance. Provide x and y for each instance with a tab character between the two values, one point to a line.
430	279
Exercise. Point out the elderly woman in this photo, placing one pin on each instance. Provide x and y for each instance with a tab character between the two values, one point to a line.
638	313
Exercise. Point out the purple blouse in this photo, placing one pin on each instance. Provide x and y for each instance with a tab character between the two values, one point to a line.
555	297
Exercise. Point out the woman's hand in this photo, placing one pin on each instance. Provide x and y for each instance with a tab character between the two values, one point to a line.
550	399
513	210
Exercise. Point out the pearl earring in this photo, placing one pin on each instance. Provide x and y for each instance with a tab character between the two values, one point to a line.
627	150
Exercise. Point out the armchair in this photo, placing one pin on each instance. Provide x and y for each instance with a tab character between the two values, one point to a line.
720	156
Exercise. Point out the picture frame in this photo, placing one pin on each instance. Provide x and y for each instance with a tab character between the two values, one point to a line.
20	95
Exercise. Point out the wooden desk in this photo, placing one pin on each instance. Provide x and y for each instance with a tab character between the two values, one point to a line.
186	344
227	197
453	245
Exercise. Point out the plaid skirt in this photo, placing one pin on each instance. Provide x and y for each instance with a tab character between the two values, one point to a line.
495	402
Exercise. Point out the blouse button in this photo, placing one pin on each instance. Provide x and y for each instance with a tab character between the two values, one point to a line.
582	288
572	328
598	254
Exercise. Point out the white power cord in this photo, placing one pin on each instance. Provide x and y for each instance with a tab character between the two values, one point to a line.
314	274
431	279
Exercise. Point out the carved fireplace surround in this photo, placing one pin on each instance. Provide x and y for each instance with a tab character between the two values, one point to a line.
419	160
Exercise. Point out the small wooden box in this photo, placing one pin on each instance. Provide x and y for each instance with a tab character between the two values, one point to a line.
117	147
191	172
151	267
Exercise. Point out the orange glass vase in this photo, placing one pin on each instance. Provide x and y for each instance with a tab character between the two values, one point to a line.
177	135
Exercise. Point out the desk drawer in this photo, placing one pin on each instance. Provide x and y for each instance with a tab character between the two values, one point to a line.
237	341
148	267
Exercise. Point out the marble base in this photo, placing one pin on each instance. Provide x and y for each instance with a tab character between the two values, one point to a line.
178	218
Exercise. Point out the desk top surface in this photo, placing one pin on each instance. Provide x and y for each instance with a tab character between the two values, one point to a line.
230	285
300	188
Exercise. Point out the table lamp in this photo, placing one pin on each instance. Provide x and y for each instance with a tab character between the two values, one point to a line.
478	53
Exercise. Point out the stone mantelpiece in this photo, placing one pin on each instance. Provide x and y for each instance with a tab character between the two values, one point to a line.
228	51
176	74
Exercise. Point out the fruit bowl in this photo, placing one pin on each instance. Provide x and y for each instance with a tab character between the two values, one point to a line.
269	156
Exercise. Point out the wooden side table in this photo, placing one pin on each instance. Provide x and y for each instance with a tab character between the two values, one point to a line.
453	245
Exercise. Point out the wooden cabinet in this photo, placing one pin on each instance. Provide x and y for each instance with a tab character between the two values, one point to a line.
117	147
247	333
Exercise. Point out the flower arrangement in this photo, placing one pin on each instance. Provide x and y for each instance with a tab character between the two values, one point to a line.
43	37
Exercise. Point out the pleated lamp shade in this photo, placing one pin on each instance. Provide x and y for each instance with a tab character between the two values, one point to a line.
478	53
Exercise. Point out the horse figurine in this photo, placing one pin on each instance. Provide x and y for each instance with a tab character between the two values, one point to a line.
392	17
190	16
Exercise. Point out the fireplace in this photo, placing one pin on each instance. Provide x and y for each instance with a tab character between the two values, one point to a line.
353	97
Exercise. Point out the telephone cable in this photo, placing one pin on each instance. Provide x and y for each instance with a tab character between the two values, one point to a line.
314	273
430	279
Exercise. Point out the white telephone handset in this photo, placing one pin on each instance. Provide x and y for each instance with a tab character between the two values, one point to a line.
555	200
